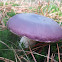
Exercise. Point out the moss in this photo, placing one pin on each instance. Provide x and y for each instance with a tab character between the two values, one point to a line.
12	13
1	3
15	5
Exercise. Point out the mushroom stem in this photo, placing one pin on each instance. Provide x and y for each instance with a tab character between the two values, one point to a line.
48	54
58	53
26	42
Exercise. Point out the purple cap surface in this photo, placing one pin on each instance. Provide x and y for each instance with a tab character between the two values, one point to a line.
35	27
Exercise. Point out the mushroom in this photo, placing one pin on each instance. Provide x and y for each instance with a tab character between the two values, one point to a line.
35	27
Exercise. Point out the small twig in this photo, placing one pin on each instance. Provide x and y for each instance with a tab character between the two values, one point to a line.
42	45
44	56
16	55
40	50
58	53
47	8
5	44
24	58
48	53
32	54
52	57
5	59
42	12
24	52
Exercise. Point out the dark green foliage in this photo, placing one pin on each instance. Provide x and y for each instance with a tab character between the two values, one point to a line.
53	48
6	3
30	7
60	13
39	58
55	8
23	46
50	8
39	9
1	61
12	13
10	39
1	3
15	5
56	58
7	36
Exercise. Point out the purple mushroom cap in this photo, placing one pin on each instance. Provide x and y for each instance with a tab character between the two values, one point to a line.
35	27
